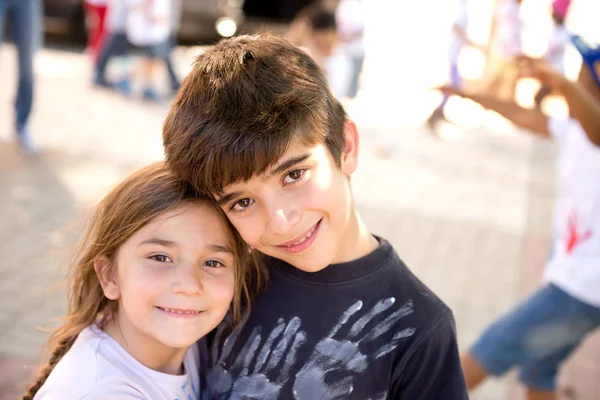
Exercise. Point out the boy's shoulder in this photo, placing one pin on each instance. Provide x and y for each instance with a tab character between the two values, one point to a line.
379	277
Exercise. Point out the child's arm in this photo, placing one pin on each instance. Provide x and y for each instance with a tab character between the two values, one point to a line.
526	118
582	105
584	108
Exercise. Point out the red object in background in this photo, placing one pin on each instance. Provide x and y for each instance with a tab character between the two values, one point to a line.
96	15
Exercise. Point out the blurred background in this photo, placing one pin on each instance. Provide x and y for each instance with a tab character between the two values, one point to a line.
465	197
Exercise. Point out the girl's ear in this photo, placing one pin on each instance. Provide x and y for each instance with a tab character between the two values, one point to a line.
106	276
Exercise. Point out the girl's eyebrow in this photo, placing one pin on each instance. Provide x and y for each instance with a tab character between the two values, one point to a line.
220	248
160	242
217	248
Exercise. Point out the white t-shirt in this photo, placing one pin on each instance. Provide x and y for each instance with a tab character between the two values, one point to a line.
149	21
574	265
506	42
97	367
557	45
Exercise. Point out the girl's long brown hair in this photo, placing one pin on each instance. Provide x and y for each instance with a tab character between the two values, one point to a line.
133	203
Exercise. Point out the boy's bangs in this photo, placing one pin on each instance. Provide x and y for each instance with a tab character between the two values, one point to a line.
247	158
240	156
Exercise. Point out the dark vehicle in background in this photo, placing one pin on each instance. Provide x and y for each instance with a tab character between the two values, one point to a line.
202	21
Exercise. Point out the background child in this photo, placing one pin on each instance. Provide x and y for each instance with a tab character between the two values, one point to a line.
459	39
314	30
154	274
557	45
149	27
541	332
96	14
505	45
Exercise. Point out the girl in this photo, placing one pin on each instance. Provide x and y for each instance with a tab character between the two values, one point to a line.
157	270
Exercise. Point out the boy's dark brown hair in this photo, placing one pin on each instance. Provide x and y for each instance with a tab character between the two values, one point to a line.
241	106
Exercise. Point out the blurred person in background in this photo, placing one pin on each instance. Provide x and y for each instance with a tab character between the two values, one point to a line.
314	30
505	45
115	44
545	329
25	21
175	23
557	45
96	14
350	16
458	40
149	27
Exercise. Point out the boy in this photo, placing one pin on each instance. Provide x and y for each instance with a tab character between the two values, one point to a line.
547	327
342	316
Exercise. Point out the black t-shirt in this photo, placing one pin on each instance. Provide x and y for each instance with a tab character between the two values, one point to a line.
366	329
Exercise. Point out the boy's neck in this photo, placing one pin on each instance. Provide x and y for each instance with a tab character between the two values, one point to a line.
145	349
358	241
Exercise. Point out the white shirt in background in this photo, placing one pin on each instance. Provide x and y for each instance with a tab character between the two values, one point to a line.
557	46
97	367
506	42
116	16
149	21
575	262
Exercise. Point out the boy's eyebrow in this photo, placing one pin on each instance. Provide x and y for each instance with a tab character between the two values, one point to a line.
288	164
279	169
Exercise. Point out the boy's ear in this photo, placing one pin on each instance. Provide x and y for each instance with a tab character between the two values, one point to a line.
106	276
350	152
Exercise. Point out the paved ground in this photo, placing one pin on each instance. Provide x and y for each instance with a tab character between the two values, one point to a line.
469	214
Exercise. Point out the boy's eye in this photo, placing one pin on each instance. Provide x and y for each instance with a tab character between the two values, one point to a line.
242	204
160	258
294	176
213	264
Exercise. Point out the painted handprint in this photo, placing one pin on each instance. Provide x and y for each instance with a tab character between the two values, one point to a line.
343	355
248	376
575	234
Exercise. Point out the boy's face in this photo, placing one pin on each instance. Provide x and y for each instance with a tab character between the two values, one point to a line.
300	210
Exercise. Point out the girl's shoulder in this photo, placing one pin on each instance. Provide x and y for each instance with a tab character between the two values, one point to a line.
92	363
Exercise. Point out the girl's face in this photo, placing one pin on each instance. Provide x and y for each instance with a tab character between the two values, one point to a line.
174	278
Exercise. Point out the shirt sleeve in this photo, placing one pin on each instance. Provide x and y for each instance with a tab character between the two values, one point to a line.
432	370
560	127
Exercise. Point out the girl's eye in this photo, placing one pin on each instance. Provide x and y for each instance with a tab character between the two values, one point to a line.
242	204
160	258
294	176
213	264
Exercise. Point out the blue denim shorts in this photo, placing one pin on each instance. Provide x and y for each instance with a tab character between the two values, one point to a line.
537	336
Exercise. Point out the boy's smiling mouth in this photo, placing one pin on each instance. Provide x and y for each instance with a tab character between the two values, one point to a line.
301	242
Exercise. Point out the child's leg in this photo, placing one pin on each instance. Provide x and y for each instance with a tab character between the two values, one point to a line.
537	336
474	372
535	394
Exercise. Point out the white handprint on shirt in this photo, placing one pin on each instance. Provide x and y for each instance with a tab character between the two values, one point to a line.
343	354
251	368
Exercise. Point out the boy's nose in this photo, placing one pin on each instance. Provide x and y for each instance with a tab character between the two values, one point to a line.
282	220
